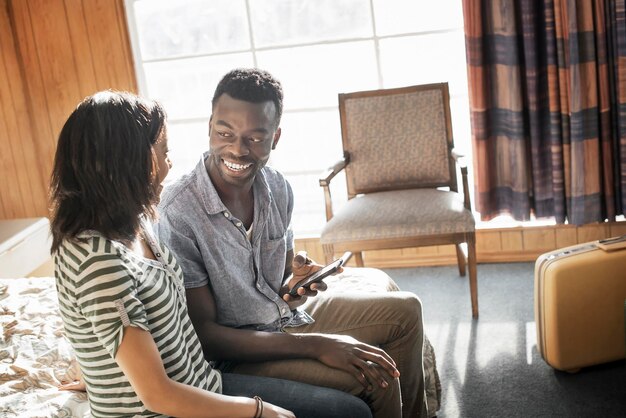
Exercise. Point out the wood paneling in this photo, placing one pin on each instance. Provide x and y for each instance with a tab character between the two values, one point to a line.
566	236
54	53
512	240
592	232
21	187
617	229
539	239
492	245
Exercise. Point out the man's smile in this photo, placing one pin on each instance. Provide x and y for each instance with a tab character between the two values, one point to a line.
235	166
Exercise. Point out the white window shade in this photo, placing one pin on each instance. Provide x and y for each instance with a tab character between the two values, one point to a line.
317	48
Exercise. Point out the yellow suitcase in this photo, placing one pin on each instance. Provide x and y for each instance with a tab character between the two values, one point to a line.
580	294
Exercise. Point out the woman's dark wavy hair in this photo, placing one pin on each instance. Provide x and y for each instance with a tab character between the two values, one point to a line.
105	166
251	85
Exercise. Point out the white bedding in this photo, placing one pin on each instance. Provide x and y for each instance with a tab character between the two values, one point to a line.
34	355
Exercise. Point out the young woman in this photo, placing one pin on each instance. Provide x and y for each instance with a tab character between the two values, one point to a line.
121	294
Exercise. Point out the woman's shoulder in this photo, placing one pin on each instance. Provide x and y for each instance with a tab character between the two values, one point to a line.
89	247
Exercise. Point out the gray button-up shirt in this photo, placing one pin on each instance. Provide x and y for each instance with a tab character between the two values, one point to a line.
212	247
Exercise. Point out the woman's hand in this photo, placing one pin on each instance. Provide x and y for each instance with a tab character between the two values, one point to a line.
77	385
273	411
75	379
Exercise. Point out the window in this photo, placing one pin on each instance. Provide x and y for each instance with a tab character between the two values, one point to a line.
317	48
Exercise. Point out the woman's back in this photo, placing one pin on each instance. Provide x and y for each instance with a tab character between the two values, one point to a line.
103	286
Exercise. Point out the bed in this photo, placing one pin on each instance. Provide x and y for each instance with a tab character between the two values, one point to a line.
35	357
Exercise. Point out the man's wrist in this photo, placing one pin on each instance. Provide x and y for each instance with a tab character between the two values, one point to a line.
309	345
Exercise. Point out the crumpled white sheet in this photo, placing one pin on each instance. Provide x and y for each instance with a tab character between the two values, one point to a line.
35	357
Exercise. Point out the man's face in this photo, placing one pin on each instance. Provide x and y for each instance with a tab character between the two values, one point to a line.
241	137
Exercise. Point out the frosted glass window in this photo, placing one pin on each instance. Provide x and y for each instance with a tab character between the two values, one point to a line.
312	76
186	142
169	28
425	59
281	22
409	16
317	49
459	109
309	214
185	87
310	141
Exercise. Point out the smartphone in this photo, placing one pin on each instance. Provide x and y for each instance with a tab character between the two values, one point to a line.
320	275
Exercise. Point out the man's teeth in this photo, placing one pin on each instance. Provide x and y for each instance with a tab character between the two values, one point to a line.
236	167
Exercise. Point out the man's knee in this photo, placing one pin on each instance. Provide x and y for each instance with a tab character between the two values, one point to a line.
410	305
406	307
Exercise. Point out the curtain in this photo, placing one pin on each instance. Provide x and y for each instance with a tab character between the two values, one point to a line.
547	87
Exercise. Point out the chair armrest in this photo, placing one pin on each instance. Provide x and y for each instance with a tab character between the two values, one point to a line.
327	176
460	160
458	157
331	172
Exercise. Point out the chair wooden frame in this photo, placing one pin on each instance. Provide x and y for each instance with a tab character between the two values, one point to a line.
356	247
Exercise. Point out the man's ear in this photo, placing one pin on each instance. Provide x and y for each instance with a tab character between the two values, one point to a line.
210	119
276	138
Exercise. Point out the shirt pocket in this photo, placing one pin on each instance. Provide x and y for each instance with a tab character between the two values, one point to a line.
273	260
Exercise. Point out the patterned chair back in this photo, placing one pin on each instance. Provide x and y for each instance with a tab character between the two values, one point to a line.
398	139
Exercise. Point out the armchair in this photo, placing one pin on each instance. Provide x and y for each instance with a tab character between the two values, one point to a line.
400	168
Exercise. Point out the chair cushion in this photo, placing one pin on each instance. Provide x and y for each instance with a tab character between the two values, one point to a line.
399	214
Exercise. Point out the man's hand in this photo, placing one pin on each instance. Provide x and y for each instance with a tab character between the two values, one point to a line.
368	364
302	267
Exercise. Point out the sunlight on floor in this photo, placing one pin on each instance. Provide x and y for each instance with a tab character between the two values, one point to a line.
487	342
451	405
531	341
487	345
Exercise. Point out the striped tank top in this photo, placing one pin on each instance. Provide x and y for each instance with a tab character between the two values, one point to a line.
103	287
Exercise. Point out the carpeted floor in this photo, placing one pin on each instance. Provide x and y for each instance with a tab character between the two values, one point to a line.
491	367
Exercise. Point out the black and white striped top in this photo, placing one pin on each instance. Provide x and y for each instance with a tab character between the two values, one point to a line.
103	287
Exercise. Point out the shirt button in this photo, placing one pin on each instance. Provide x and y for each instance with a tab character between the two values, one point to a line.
284	310
238	224
226	214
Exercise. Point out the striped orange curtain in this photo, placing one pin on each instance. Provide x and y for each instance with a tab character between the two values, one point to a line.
547	83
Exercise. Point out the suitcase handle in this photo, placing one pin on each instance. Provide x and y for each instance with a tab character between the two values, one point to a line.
612	244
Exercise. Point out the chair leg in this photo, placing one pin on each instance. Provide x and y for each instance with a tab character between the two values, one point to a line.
473	282
461	260
358	258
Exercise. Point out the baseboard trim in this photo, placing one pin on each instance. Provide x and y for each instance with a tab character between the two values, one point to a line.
493	245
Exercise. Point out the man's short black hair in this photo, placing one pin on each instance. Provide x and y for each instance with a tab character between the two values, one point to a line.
251	85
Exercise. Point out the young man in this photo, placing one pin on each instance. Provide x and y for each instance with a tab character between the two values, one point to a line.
228	223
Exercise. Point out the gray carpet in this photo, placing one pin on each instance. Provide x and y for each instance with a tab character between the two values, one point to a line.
491	367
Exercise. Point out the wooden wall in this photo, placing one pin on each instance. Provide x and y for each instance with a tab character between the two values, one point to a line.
53	54
493	245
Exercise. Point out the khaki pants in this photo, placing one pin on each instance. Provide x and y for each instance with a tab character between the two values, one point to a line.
389	320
